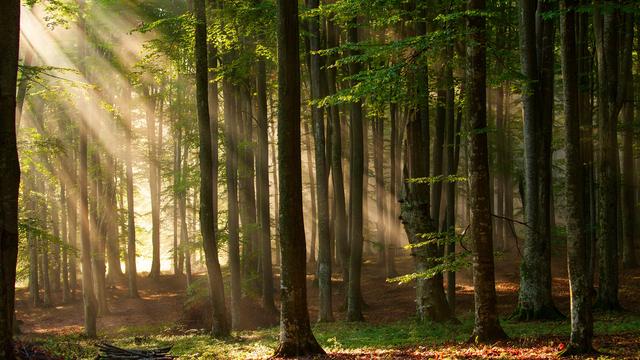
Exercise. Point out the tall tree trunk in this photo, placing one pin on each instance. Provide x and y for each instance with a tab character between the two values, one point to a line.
262	165
581	316
64	239
111	222
356	193
132	272
56	273
536	53
415	208
150	108
311	262
392	228
246	188
296	338
98	232
325	313
208	219
452	144
10	170
378	161
629	259
276	207
88	296
230	123
487	328
340	225
606	28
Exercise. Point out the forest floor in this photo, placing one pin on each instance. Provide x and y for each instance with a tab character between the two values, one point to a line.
158	319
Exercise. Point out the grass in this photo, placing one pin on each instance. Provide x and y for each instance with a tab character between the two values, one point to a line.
334	337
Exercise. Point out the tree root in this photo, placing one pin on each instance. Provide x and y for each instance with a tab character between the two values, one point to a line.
547	312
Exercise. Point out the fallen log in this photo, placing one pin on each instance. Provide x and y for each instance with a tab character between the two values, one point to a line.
111	352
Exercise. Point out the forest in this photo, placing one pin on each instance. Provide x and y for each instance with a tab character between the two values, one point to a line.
339	179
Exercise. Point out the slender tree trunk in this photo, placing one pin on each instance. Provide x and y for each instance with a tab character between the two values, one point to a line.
149	96
262	165
487	328
378	161
629	259
98	232
132	272
276	207
56	273
65	242
231	152
208	218
581	316
10	170
392	228
356	193
606	28
311	262
246	188
536	41
322	172
296	338
337	176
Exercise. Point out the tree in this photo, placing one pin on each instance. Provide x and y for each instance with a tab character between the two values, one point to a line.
88	296
10	170
581	317
322	178
220	327
610	94
264	216
356	192
132	272
487	327
296	338
415	208
536	57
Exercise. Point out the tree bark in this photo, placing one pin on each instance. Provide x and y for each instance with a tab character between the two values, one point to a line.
208	218
232	198
10	170
356	193
581	316
606	27
262	165
296	338
536	55
487	328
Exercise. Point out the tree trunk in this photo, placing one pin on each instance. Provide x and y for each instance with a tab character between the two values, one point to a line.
208	218
296	338
132	272
606	27
392	212
10	170
536	41
246	188
581	316
231	164
262	166
356	193
487	328
322	172
340	225
64	239
629	259
56	273
150	109
311	262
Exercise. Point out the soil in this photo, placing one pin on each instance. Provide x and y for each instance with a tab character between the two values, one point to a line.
161	302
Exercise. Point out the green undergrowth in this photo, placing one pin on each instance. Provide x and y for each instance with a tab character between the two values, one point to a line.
334	337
